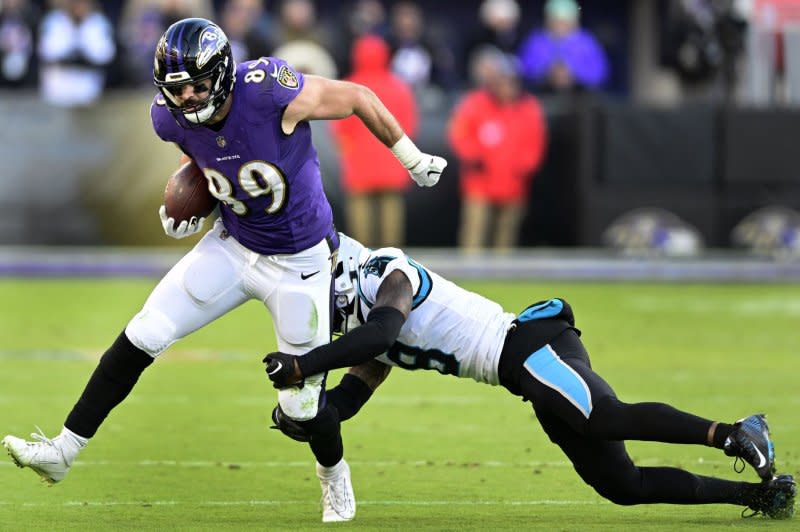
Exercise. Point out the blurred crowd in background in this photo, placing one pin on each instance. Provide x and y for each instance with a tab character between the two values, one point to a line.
493	64
557	44
430	44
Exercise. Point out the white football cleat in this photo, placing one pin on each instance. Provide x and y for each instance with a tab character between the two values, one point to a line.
338	501
43	456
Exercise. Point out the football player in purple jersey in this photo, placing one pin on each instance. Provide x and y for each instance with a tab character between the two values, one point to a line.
247	127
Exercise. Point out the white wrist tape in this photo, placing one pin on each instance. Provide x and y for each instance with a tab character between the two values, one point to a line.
407	152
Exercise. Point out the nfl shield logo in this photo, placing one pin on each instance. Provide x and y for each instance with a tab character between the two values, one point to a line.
221	141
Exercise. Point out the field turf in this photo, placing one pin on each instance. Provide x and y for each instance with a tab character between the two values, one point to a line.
190	448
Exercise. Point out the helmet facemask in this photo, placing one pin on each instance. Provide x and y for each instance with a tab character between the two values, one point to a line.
346	303
348	313
202	111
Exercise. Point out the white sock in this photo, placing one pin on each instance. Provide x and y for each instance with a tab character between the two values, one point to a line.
327	473
70	444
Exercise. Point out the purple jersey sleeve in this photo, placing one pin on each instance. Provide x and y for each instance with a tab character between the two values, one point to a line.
277	83
164	123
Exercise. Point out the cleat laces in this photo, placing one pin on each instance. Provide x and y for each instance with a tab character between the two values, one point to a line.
738	466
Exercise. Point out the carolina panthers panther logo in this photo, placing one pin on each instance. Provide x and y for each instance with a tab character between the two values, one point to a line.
377	265
211	42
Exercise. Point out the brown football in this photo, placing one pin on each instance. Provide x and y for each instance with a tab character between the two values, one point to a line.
187	194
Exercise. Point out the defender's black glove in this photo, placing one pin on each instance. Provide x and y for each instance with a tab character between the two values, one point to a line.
282	370
288	426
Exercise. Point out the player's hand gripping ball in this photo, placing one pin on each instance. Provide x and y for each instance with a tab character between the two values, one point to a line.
187	202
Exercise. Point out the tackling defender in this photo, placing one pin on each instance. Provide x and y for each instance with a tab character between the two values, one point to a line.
395	309
247	127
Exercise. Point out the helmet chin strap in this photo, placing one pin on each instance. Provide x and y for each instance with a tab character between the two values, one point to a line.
201	116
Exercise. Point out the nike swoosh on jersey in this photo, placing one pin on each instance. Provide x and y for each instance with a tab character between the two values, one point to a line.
305	276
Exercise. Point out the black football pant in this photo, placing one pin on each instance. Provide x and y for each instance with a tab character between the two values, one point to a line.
581	414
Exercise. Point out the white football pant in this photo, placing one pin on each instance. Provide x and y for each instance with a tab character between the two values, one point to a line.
218	275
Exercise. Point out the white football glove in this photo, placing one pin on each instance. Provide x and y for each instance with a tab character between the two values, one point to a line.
427	171
184	229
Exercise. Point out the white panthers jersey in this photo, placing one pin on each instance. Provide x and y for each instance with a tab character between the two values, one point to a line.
449	329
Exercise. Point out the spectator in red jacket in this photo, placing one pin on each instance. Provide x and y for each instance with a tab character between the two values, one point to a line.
373	179
499	134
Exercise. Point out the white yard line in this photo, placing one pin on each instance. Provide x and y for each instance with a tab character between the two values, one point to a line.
353	463
540	502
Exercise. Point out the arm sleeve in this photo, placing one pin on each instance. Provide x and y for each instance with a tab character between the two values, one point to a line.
531	155
285	82
57	40
588	61
536	56
164	123
359	345
461	129
271	92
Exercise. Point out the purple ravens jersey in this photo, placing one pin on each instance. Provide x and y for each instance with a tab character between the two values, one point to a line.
268	183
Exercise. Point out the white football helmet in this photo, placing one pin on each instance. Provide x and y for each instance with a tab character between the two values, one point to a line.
350	257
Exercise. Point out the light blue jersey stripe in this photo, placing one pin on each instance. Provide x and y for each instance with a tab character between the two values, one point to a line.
548	368
547	309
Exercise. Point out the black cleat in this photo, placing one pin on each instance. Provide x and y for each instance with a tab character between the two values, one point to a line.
288	426
750	441
774	498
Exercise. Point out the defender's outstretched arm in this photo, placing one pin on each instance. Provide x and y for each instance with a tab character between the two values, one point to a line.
392	306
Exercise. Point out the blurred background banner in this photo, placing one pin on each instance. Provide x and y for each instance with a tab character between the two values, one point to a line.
82	175
684	107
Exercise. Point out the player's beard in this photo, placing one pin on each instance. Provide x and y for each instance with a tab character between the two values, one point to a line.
199	112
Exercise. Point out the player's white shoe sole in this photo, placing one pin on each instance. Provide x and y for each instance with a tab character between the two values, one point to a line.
42	456
338	501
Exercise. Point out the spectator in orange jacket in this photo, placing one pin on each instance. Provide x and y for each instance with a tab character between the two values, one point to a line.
373	179
499	134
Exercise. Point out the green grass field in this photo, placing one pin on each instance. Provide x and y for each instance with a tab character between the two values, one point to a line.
190	449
